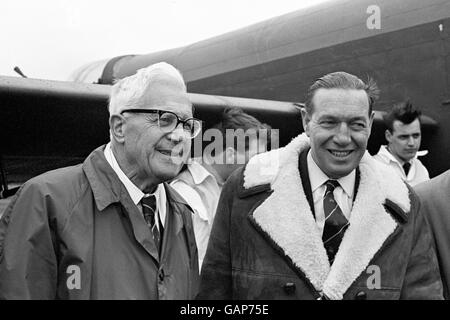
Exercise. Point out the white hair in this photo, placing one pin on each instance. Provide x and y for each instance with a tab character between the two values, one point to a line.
127	92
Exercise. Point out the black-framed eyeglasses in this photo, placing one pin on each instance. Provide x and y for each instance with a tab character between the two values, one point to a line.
168	121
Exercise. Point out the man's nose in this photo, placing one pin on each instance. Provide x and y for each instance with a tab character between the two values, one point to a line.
411	141
178	134
342	135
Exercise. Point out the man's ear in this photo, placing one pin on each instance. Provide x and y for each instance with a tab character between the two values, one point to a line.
372	116
117	128
388	135
305	120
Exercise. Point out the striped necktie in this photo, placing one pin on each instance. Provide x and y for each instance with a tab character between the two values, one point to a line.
149	211
406	167
335	221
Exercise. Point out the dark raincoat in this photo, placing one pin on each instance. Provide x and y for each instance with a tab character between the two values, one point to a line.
74	233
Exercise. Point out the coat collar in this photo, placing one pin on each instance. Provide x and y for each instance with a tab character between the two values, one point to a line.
183	218
104	182
294	229
107	189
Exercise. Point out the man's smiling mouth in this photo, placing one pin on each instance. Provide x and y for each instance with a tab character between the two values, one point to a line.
340	154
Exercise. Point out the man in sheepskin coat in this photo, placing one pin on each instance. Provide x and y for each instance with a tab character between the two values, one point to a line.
320	218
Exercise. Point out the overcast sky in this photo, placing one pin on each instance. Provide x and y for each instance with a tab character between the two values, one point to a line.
49	39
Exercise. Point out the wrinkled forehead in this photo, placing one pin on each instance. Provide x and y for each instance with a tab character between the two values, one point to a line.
338	100
167	95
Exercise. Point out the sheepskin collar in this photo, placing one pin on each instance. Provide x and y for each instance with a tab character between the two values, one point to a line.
286	217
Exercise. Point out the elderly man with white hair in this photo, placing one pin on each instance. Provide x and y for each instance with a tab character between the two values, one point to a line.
111	227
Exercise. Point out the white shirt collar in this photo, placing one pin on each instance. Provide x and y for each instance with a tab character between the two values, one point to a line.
135	193
198	172
317	177
384	153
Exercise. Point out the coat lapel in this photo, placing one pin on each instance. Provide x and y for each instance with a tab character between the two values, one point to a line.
174	221
304	176
285	216
370	225
141	231
181	213
173	201
287	219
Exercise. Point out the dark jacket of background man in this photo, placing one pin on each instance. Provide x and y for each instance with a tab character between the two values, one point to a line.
434	197
81	216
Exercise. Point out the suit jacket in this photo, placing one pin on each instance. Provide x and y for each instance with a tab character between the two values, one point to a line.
265	243
75	233
434	197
